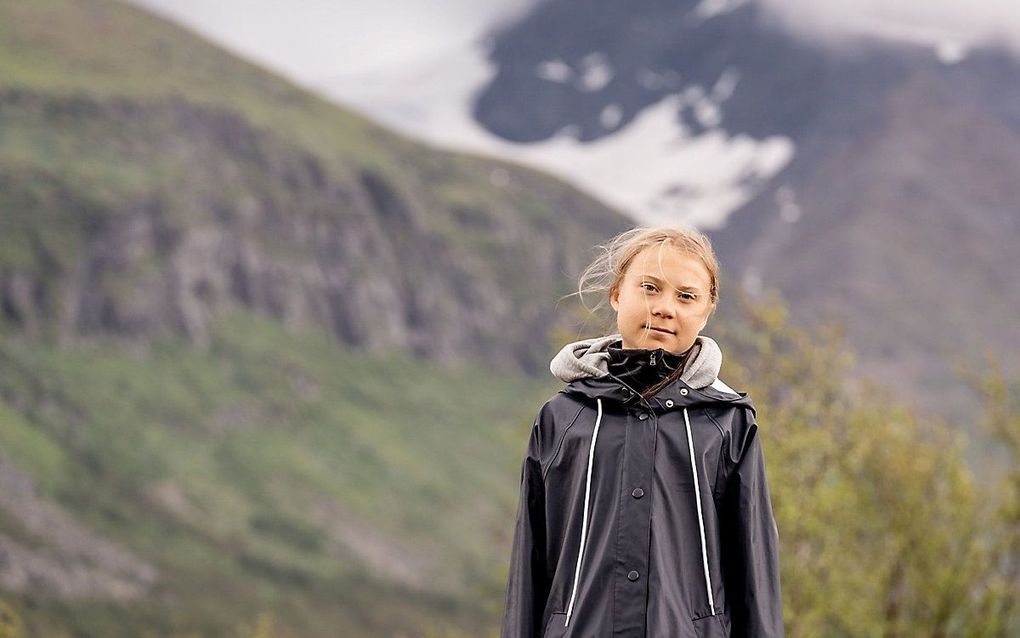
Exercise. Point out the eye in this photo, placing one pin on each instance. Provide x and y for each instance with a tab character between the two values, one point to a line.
649	284
688	296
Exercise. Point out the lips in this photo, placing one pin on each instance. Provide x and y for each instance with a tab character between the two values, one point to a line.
662	330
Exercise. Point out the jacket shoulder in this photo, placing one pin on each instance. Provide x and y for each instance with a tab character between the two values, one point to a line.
738	423
554	418
737	420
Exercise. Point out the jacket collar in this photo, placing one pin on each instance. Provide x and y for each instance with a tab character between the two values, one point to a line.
584	366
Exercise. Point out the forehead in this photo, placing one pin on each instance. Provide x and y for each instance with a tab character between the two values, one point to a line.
678	267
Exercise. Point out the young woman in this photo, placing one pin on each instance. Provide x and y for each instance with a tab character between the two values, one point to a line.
644	509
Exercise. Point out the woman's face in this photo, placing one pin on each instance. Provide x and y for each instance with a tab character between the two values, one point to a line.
663	300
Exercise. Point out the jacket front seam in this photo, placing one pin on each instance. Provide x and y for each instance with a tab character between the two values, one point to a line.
712	419
722	448
559	444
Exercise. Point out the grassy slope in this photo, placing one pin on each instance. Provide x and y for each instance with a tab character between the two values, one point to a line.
102	47
254	432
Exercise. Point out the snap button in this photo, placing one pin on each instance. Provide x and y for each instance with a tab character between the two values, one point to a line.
633	575
683	391
638	492
669	403
643	416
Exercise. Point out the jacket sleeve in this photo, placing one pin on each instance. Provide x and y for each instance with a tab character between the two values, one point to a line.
751	546
528	581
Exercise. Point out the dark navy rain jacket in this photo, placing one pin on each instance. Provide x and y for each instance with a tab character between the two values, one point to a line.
643	518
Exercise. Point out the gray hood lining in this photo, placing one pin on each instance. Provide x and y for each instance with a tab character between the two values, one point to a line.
589	358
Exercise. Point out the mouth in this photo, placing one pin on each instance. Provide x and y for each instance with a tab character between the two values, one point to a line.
662	330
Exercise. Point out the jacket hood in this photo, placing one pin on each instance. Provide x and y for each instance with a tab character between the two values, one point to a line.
584	366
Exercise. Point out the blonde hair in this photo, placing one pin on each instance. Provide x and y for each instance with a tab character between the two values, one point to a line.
606	272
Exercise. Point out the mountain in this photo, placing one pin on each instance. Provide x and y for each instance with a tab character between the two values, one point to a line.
892	207
154	182
231	316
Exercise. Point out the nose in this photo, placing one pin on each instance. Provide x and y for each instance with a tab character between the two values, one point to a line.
663	307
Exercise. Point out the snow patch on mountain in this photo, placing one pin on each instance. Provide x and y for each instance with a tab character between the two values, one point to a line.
950	51
554	71
593	73
669	175
711	8
596	72
654	168
650	166
611	116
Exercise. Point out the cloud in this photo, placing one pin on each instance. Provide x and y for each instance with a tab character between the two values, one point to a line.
315	40
321	42
960	23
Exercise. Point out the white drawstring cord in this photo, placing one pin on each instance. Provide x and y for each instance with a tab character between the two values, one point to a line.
584	519
701	518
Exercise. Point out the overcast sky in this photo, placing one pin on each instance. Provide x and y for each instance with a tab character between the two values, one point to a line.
967	21
415	65
406	62
315	40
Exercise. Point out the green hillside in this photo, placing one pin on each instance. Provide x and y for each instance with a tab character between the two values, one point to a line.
270	473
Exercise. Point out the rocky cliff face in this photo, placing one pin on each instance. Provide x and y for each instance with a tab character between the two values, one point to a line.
57	555
166	214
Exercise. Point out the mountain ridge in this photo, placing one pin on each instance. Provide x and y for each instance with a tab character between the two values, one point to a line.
399	207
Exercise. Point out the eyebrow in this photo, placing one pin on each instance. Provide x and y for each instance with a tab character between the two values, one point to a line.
659	281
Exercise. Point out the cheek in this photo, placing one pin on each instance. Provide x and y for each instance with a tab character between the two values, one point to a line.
697	319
